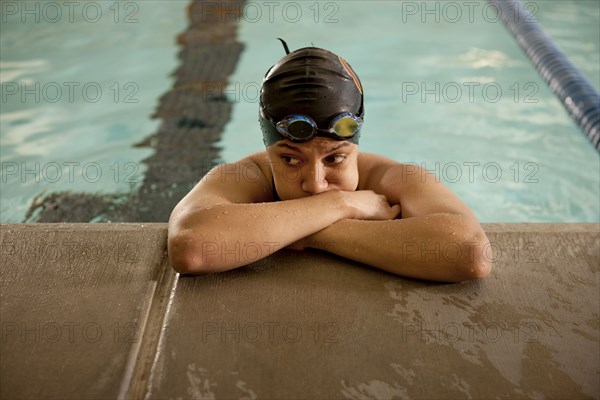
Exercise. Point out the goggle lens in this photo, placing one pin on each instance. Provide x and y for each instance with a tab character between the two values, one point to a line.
345	127
300	129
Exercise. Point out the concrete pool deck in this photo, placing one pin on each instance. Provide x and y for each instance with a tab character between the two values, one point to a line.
94	311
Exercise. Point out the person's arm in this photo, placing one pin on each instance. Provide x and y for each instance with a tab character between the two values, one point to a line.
438	237
229	220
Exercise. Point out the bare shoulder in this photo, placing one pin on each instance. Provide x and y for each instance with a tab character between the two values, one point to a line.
247	180
378	173
417	190
260	162
243	181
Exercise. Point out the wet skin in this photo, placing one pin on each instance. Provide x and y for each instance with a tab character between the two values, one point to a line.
331	197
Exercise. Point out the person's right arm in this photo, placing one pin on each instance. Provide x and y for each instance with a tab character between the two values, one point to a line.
229	220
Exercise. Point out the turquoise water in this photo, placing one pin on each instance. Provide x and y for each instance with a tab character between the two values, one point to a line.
90	81
448	89
82	142
566	21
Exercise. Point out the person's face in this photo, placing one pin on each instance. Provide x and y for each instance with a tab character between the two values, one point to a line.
316	166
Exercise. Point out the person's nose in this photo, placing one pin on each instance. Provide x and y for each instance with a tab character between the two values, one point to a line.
313	179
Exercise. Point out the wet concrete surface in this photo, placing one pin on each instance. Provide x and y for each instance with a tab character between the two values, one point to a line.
75	300
94	311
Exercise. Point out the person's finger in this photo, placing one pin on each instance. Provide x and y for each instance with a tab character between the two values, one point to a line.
396	210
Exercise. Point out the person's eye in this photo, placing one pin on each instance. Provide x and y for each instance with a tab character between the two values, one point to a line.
291	161
335	159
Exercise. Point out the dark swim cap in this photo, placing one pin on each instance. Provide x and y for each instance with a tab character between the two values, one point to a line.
313	82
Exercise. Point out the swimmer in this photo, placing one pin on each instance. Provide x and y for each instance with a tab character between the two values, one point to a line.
313	188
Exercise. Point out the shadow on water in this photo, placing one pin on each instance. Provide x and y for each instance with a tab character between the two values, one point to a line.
185	143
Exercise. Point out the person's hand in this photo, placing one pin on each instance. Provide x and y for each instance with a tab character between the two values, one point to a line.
366	204
361	204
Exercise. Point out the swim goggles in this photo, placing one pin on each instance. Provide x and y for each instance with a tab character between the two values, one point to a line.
300	128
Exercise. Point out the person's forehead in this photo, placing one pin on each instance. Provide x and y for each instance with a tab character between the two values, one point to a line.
316	145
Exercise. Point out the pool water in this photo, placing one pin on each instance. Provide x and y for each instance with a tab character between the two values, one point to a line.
84	85
453	95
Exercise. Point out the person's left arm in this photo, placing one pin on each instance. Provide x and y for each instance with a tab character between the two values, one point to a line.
438	237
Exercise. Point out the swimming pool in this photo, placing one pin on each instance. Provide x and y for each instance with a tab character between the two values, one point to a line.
452	93
447	88
79	83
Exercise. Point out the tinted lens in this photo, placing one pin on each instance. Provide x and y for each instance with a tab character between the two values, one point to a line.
300	129
345	127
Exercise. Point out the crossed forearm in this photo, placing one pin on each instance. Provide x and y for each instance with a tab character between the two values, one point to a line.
441	247
227	236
